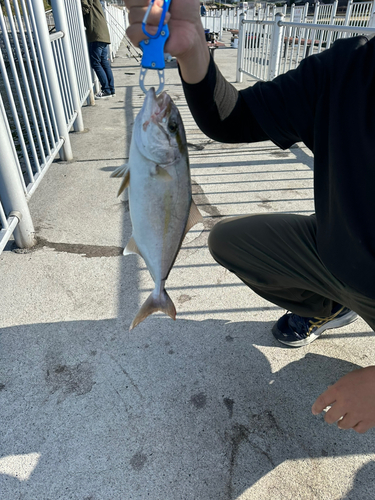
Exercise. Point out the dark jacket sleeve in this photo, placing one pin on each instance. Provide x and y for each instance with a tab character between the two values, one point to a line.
282	110
220	110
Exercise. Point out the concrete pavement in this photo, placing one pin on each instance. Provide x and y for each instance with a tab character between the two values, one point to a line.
209	407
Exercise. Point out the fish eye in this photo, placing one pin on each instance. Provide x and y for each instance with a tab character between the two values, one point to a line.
172	127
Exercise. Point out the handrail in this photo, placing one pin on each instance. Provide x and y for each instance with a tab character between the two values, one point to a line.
56	36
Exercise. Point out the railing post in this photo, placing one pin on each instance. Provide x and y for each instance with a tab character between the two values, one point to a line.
241	47
11	191
54	87
61	24
332	21
349	8
276	45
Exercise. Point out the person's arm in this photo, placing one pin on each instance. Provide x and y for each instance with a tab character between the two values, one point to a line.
220	110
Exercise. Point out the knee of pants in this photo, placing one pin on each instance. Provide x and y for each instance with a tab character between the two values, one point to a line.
218	240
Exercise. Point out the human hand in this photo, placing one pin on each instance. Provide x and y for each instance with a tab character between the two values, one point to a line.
352	401
183	18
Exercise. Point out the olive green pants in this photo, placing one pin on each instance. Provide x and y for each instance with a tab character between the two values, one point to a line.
276	256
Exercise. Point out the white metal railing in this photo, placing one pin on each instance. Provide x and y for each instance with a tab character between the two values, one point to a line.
213	24
357	14
44	81
70	110
268	48
117	24
68	17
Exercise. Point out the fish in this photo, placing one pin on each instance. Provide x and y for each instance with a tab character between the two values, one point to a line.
161	206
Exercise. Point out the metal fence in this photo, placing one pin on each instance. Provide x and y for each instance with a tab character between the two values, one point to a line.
268	48
44	80
117	23
355	14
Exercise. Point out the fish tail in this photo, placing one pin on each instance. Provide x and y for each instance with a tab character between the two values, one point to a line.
157	301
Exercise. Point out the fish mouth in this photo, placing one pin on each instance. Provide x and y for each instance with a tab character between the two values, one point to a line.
156	108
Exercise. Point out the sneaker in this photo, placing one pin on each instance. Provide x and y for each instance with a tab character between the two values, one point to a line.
296	331
113	94
102	95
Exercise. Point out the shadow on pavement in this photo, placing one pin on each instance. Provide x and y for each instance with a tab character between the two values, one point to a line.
195	403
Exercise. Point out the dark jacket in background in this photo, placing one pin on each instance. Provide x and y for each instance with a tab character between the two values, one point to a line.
95	23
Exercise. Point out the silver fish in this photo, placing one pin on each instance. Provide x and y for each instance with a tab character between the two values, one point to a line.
160	201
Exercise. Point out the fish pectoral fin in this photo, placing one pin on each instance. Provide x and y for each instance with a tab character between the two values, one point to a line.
195	217
161	173
122	171
155	302
132	248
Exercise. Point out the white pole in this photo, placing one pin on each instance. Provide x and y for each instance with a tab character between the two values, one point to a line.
11	191
54	87
61	23
241	47
276	46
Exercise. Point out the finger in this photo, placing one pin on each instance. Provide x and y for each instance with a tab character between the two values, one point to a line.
334	414
347	422
135	34
326	399
137	14
361	427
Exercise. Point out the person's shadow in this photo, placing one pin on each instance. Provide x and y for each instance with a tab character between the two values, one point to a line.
192	404
363	484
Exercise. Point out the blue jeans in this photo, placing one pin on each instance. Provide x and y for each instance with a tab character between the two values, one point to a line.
99	62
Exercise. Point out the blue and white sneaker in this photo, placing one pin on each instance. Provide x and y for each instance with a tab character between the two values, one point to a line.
297	331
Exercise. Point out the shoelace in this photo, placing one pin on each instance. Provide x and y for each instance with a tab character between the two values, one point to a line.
303	323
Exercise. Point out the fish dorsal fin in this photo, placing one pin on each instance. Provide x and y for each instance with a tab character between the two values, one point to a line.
122	171
131	248
194	217
161	173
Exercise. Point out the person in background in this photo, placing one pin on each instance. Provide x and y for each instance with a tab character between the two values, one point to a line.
98	40
321	268
203	10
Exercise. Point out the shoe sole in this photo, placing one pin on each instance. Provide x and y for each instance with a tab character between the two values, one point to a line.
335	323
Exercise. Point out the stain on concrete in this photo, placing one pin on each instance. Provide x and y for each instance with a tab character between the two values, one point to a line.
229	403
260	432
238	434
183	298
199	400
229	338
77	379
88	251
2	387
138	461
